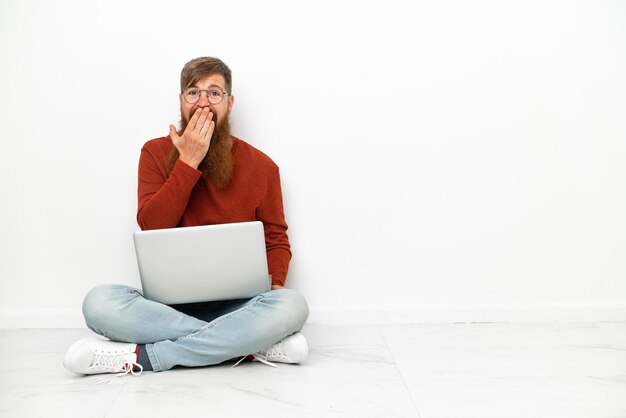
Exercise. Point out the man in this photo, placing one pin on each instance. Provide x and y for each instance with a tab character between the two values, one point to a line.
199	175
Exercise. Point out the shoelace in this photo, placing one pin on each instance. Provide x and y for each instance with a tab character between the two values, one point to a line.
112	362
272	351
275	350
130	368
257	357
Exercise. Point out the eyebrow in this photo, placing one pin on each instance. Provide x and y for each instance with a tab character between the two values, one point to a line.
209	86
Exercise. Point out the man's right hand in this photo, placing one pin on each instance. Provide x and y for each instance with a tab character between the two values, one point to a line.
194	143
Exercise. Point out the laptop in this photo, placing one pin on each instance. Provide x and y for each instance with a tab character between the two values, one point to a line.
202	263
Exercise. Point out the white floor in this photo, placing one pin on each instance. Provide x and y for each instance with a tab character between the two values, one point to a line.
456	370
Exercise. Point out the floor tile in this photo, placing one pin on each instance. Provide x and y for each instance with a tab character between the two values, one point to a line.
520	397
332	337
617	329
498	335
489	362
267	395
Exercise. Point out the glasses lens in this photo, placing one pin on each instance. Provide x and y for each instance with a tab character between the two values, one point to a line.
191	95
215	96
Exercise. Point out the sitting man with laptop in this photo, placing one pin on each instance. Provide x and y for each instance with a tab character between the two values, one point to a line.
199	175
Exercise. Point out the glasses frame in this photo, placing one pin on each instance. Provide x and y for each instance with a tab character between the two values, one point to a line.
224	94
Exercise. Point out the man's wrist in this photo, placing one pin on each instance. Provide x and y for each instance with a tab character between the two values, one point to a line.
189	162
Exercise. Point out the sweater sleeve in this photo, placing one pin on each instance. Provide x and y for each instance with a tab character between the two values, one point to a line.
162	199
271	213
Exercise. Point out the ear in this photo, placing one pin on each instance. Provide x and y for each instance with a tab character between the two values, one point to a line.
231	102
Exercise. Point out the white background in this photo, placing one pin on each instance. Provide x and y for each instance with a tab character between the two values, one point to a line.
436	157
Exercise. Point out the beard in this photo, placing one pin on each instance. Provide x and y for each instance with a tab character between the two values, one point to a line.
218	163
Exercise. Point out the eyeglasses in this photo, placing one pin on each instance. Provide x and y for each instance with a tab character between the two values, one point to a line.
215	95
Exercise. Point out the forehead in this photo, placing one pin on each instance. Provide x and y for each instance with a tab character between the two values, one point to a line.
211	80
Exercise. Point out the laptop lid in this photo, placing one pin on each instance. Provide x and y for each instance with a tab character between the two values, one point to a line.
202	263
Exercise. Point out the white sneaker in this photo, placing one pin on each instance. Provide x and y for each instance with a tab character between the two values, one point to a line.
95	355
291	349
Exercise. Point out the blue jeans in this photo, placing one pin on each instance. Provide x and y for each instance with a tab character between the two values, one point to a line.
197	334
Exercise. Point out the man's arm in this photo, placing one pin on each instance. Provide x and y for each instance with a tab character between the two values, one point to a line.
271	213
163	198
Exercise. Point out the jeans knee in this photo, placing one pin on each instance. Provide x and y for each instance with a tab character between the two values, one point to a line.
295	306
99	304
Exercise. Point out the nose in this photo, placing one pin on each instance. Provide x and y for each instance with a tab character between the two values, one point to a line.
203	100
